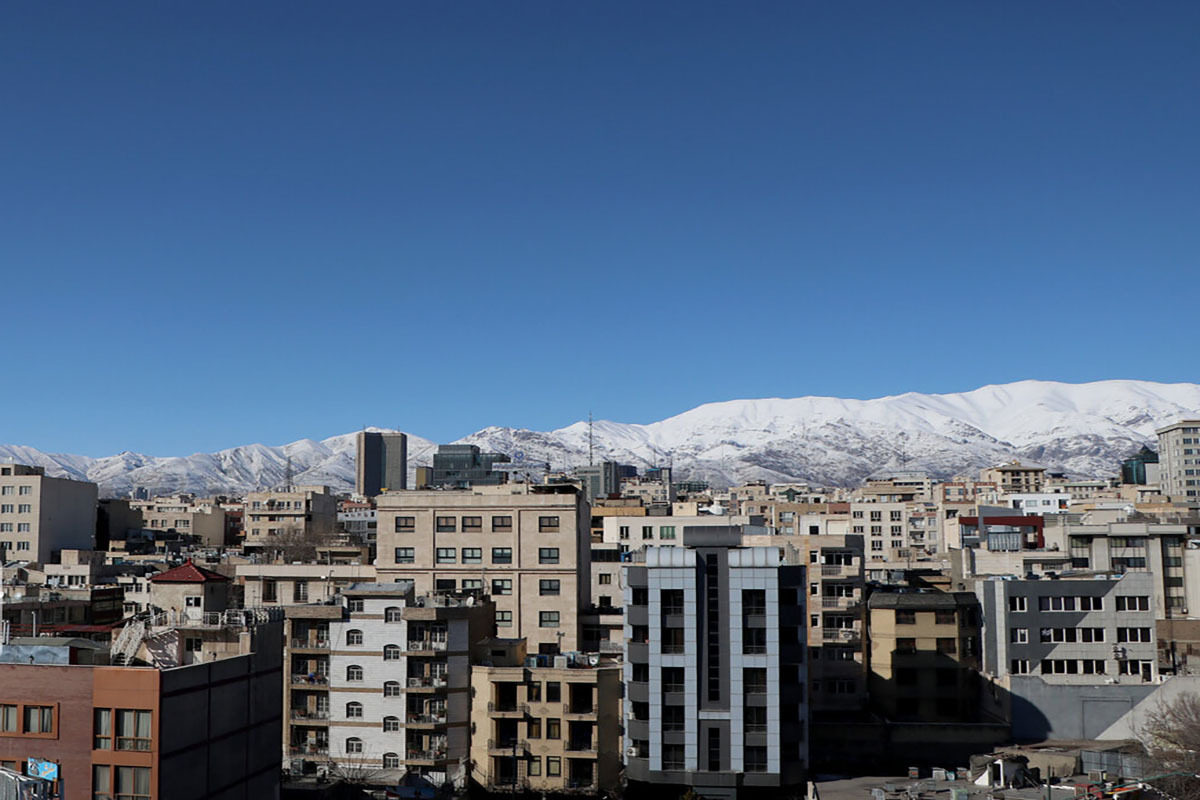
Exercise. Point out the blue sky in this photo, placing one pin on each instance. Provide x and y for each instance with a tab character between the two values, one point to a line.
233	222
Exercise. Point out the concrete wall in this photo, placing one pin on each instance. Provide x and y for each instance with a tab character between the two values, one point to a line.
1055	711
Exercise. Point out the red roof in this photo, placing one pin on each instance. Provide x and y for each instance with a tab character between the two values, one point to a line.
188	572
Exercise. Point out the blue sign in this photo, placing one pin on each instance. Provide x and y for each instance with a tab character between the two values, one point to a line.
37	768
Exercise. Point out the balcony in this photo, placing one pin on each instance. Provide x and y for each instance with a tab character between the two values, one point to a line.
508	709
310	644
840	635
579	747
308	716
427	719
840	601
425	756
578	710
302	680
427	682
839	571
507	747
427	645
309	749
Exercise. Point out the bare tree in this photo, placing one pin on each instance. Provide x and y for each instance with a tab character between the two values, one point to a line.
1170	735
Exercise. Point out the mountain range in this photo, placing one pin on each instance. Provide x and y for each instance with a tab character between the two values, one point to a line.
1082	429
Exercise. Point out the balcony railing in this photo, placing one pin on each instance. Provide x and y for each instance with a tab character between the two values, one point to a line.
426	755
581	746
427	719
839	601
310	680
578	708
840	634
426	682
511	745
508	708
304	713
313	749
310	644
427	644
837	570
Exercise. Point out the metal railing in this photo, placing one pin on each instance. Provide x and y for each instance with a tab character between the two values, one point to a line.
309	680
304	713
427	644
426	682
508	708
319	644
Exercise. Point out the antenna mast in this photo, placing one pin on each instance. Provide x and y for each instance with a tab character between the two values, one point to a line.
287	475
591	443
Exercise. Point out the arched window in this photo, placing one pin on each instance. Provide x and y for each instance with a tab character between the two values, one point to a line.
391	724
391	689
354	673
392	614
391	761
354	745
353	636
354	710
391	652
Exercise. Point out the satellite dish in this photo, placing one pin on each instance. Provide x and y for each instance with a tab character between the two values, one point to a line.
593	659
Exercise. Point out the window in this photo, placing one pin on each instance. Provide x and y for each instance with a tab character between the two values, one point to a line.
1133	603
906	646
754	640
553	728
1019	666
754	680
6	490
756	759
548	619
391	724
354	636
1133	635
548	587
300	592
101	780
533	729
548	524
354	745
501	555
672	756
553	766
193	601
392	614
754	602
39	719
406	524
391	652
472	524
472	555
553	692
446	525
354	710
535	766
666	532
647	532
354	605
672	718
503	619
547	555
672	640
133	729
391	760
133	783
623	531
24	490
947	646
446	555
605	578
945	617
391	689
534	691
1018	635
906	617
501	586
354	673
270	592
193	644
406	555
7	508
501	524
101	726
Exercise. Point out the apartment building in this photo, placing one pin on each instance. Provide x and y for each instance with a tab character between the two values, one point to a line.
382	462
924	655
185	514
1040	503
305	512
399	682
153	731
41	516
715	668
600	480
548	724
1098	629
526	545
1015	477
298	584
1166	551
1179	459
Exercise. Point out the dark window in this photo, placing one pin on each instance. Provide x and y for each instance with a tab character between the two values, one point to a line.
406	555
672	718
472	524
754	640
714	749
672	601
501	524
756	759
446	525
672	640
906	617
673	679
547	555
754	680
756	719
754	602
944	617
641	596
548	524
549	587
553	692
406	524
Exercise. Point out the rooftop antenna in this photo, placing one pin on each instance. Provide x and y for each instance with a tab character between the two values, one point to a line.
591	443
287	475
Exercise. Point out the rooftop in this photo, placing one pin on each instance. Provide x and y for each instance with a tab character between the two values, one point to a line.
188	573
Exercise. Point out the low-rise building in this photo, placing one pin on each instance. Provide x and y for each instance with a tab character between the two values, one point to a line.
41	516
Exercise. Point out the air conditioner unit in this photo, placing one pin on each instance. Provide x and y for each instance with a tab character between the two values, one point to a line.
631	751
1097	775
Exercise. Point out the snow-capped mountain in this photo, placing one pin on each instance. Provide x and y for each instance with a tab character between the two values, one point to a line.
1084	429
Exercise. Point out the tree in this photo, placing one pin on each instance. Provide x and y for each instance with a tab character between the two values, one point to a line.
1170	736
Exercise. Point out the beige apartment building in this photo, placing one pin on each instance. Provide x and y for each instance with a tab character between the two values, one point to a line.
526	545
297	584
41	516
1015	477
184	513
1179	459
308	512
545	724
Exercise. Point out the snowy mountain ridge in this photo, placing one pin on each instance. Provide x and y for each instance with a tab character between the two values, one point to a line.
1084	429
